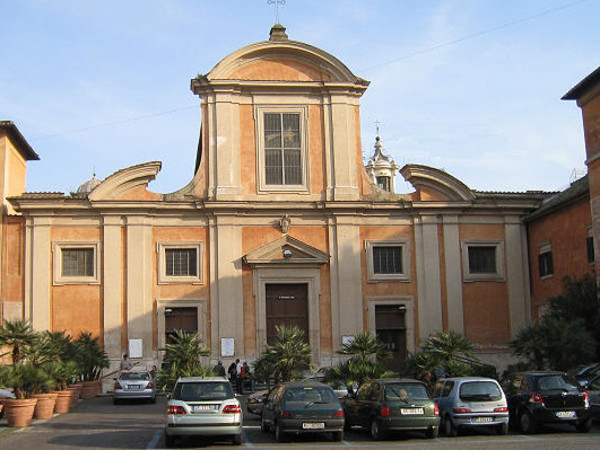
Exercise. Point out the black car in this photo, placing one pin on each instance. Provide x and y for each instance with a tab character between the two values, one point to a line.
537	398
586	373
302	407
392	404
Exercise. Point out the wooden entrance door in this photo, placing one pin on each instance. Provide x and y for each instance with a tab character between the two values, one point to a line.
286	304
390	328
185	319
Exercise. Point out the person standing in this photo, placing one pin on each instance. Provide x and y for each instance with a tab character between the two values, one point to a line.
219	370
238	376
231	372
126	364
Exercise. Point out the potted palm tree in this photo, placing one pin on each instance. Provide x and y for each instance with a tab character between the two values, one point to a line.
21	375
91	359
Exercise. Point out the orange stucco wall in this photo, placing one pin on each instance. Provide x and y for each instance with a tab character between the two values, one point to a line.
256	237
485	303
279	70
566	230
76	307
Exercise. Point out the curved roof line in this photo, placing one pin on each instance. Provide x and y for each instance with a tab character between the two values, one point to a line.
125	180
299	50
428	177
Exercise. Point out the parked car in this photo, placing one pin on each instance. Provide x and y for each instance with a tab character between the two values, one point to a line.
340	389
203	407
256	401
471	402
134	385
537	398
302	407
392	404
586	373
593	390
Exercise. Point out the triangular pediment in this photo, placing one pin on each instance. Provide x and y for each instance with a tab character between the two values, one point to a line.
286	251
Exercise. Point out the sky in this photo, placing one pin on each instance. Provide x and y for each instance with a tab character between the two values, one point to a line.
472	87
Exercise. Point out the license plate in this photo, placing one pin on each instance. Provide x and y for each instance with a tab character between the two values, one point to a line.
134	386
411	411
313	426
482	419
204	408
565	414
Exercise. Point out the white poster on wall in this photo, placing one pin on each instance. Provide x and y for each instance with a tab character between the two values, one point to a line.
135	348
227	346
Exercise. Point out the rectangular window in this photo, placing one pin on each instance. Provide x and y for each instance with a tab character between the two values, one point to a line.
384	183
387	260
77	262
283	149
482	259
545	265
181	262
589	241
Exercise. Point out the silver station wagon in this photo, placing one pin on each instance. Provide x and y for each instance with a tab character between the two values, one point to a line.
203	407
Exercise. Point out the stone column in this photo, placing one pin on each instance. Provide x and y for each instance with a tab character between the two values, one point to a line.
452	266
38	273
517	272
428	276
112	287
139	270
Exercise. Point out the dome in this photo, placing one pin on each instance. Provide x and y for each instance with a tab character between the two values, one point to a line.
89	185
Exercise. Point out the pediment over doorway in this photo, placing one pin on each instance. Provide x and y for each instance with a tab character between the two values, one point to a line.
286	251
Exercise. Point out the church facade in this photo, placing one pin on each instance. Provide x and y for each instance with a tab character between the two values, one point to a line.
282	223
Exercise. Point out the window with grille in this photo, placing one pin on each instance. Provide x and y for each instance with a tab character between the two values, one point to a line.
482	259
388	260
77	262
181	262
545	265
283	149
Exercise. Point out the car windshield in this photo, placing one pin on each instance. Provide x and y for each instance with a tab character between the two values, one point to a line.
304	395
406	391
203	391
135	376
555	382
480	391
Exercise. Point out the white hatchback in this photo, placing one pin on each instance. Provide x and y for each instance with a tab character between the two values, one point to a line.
203	407
471	402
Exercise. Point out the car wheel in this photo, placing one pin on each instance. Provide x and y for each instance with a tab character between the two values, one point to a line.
169	440
236	439
502	429
527	422
449	429
376	433
153	400
585	426
432	432
337	436
115	401
280	436
264	427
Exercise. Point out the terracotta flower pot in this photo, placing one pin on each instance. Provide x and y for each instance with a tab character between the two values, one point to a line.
90	389
63	401
44	409
76	388
19	411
